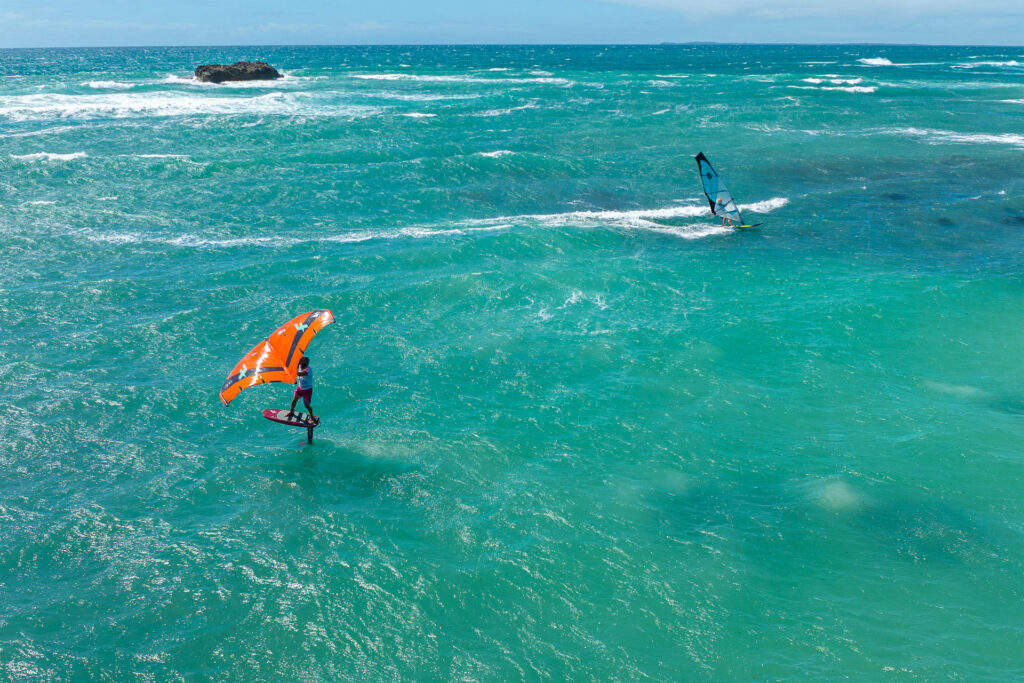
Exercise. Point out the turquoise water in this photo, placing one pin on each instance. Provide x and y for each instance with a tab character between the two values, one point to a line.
572	427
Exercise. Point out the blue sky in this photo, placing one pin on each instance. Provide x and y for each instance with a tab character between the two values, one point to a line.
72	23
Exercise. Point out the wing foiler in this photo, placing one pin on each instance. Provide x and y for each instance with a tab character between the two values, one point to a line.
276	359
719	197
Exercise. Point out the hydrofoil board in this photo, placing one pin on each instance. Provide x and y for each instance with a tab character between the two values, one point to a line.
296	420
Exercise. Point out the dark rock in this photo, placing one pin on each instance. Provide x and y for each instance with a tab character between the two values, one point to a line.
239	71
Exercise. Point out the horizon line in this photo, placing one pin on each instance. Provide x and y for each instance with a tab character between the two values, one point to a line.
691	43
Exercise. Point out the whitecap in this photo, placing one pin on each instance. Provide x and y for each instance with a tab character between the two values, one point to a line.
853	88
694	231
108	85
875	61
1010	63
766	205
123	105
841	88
418	115
640	219
496	153
935	136
49	156
426	78
506	111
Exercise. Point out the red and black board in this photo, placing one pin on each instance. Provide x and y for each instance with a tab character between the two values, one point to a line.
295	420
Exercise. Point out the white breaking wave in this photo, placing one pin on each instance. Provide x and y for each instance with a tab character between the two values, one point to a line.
123	105
692	232
937	137
765	206
496	153
638	219
458	79
49	156
971	65
506	111
109	85
875	61
842	88
418	115
835	80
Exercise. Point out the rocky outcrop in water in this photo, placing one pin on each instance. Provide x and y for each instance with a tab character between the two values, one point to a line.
239	71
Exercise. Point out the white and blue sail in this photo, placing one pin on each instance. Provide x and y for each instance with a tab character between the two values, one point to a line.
719	197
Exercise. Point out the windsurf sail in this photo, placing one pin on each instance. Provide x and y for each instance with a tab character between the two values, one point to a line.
276	358
722	203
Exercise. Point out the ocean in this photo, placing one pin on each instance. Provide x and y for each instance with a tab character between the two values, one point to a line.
573	428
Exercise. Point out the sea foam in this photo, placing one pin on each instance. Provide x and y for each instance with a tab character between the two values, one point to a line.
49	156
124	105
427	78
936	137
639	219
1013	63
108	85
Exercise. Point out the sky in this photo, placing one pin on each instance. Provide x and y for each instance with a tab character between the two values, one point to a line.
100	23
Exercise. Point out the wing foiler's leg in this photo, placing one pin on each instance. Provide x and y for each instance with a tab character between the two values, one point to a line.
295	399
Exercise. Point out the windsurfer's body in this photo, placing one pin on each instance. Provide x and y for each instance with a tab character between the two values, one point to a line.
722	209
303	389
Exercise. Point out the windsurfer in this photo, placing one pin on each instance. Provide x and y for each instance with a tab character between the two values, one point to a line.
303	389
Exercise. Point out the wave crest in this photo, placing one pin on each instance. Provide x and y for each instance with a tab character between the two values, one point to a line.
49	156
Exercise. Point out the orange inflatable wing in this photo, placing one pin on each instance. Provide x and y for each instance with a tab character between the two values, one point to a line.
276	359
